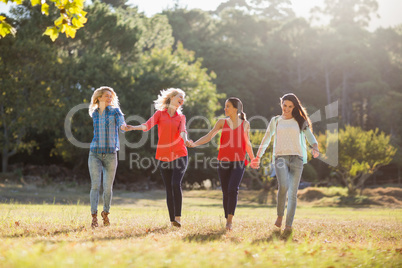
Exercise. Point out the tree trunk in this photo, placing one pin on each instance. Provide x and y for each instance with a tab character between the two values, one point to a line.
4	162
362	180
5	154
4	159
327	85
299	78
348	183
365	113
345	116
351	190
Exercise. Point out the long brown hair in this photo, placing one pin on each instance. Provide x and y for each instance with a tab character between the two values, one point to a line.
239	106
299	112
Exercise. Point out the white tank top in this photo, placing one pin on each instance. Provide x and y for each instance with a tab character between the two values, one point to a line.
288	137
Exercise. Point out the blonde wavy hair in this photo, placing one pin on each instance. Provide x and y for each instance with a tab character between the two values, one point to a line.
163	100
97	94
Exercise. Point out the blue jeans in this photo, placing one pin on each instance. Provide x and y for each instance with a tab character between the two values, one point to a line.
98	164
172	174
288	170
230	176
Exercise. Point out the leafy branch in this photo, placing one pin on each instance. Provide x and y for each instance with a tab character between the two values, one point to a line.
72	17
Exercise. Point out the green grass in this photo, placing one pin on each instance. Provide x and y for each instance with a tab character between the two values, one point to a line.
54	235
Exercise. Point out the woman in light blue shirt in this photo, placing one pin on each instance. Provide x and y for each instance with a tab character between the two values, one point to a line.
290	131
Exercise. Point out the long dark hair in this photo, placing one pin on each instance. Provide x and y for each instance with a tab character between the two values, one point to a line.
239	106
299	112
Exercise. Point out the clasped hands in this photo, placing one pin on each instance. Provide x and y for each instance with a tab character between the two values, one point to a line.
190	143
255	163
125	127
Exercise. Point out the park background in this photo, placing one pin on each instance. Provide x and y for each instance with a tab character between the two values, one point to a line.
339	56
254	50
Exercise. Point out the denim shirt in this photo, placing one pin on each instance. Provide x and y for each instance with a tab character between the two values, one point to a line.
106	127
271	131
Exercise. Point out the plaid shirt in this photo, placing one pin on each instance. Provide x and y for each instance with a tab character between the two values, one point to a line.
106	127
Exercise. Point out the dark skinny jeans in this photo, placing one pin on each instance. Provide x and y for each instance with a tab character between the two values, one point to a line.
230	176
172	174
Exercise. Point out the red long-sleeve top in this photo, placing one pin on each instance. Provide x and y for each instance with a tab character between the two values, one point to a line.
170	144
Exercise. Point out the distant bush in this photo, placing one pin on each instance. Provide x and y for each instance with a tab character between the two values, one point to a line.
361	153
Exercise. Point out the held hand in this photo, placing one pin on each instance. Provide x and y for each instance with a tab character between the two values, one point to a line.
254	166
315	152
129	128
255	163
125	127
193	144
189	143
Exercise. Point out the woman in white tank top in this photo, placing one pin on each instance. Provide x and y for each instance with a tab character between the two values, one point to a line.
291	129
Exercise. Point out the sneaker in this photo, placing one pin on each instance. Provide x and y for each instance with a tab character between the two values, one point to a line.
105	218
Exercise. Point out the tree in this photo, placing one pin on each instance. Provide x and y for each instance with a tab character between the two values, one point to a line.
103	53
348	53
274	9
388	44
237	47
349	12
116	3
29	105
70	17
361	153
25	89
133	54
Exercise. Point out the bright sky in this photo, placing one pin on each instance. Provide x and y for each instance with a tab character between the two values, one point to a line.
388	9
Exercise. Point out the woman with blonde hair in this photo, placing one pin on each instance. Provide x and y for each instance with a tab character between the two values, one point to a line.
291	129
107	119
171	151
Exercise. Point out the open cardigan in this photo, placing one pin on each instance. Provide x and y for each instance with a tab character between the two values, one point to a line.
271	131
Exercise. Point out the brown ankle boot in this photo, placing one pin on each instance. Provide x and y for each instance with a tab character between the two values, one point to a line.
105	218
94	220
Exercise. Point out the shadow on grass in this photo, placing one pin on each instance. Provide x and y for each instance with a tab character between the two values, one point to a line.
45	232
239	205
206	237
275	235
145	233
63	234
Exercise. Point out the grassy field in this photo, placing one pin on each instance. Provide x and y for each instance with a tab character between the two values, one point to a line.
56	235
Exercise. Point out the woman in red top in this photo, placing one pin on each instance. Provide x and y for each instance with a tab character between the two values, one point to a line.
234	144
171	150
